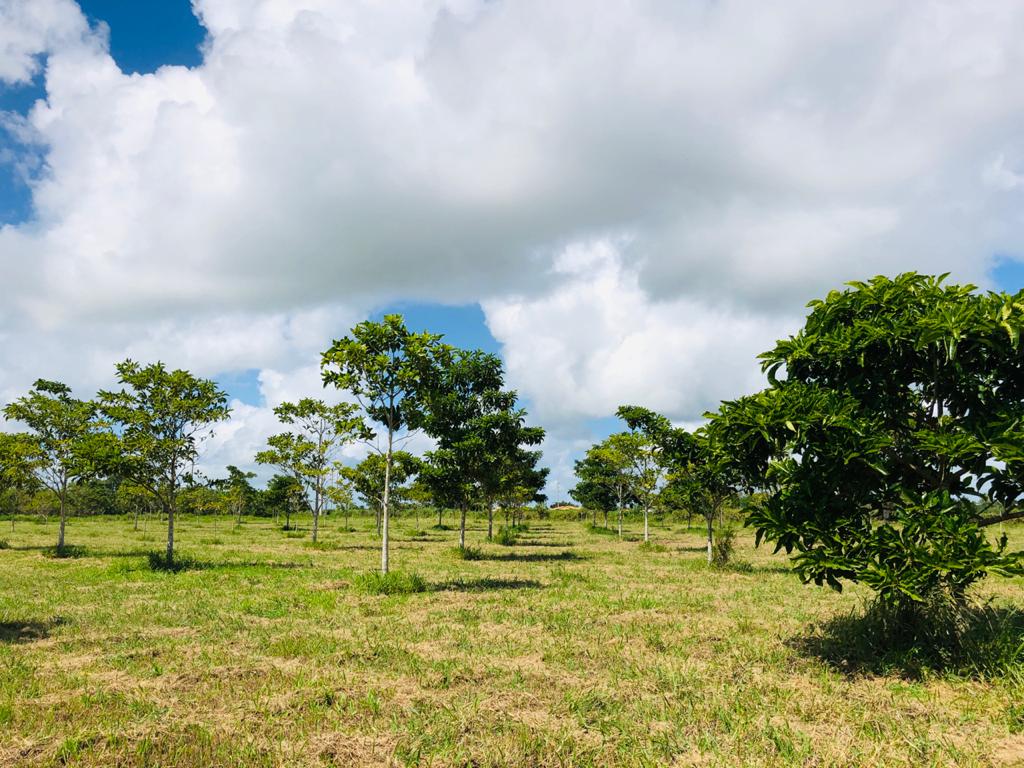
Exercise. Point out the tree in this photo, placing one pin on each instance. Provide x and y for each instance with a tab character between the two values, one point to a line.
387	369
240	493
161	418
60	428
478	429
285	492
890	437
309	455
19	457
702	475
599	485
641	448
370	478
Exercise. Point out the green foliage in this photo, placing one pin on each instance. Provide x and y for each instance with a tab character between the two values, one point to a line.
723	545
891	436
506	536
391	583
468	553
160	419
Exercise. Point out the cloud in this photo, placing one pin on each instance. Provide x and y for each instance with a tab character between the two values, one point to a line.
641	194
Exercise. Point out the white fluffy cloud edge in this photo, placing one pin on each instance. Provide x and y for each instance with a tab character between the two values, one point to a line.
640	195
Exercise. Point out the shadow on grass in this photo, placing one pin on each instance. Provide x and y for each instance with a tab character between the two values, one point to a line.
158	562
979	641
28	631
485	585
531	557
537	543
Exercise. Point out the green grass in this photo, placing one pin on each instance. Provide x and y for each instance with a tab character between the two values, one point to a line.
565	649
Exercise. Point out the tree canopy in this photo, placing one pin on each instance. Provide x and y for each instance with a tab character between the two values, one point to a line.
890	437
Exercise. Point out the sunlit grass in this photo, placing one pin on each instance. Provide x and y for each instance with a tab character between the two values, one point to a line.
567	648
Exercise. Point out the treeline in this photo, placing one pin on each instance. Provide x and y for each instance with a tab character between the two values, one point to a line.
134	449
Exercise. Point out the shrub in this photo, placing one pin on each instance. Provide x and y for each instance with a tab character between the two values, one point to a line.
468	553
723	546
5	544
158	562
943	633
393	583
506	536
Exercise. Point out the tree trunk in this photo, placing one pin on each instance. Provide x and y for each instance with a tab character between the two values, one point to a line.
462	528
647	535
710	519
63	517
170	533
490	521
135	508
386	512
318	495
439	511
605	511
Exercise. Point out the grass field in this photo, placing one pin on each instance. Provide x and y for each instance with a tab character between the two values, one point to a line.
571	648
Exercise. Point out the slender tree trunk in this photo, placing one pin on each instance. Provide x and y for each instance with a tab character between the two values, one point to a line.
439	511
135	508
605	511
462	528
347	526
170	532
385	512
318	495
710	519
490	521
647	535
63	516
620	512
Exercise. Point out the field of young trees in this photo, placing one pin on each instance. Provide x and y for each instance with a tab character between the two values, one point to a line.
826	572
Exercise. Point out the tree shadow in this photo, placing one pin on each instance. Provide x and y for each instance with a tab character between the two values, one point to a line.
531	557
485	585
978	641
536	543
158	563
12	632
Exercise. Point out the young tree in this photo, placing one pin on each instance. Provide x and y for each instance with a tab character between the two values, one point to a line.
285	492
60	427
387	369
702	475
890	437
599	485
642	447
240	493
161	418
19	457
370	478
309	455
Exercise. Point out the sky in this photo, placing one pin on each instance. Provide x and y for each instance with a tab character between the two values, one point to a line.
627	201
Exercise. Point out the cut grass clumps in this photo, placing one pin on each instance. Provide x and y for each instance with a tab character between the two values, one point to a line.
392	583
468	553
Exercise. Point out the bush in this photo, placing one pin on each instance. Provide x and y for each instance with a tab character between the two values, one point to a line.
506	536
5	544
158	562
468	553
722	547
943	633
393	583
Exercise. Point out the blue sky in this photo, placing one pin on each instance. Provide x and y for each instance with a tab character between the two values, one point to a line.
326	161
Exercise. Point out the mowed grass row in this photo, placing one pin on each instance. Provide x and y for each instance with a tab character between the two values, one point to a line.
568	649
